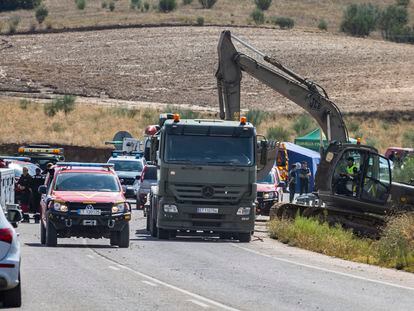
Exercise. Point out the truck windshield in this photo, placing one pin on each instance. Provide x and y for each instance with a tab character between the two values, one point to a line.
127	166
209	150
86	182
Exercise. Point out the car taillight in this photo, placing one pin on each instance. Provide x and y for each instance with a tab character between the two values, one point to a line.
6	235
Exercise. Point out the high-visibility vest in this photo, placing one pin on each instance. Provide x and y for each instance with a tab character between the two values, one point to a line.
350	169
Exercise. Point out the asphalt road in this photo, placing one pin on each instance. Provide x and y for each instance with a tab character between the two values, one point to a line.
194	273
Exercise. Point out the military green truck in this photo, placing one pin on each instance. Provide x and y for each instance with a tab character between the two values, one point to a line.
207	172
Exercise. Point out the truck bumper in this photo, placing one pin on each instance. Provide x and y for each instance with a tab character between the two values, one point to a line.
189	218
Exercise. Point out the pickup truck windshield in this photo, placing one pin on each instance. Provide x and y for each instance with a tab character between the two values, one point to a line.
267	180
86	182
127	166
209	150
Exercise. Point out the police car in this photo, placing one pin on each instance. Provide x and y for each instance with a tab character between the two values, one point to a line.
128	167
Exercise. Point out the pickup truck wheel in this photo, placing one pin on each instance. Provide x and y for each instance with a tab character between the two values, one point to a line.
245	237
51	234
163	234
123	237
113	239
12	298
42	234
138	204
153	226
148	223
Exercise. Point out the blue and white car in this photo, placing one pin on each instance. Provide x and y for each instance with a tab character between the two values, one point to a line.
10	285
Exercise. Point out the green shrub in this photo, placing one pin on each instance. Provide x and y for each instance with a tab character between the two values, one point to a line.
184	113
200	21
283	22
41	13
263	4
104	4
167	5
13	24
24	104
405	173
111	6
408	139
207	4
135	4
256	117
10	5
360	19
50	109
403	3
303	124
323	25
393	22
65	104
186	2
49	25
258	16
353	126
80	4
277	133
146	6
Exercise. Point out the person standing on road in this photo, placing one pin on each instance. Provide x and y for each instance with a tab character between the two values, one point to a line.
304	175
292	182
25	186
38	180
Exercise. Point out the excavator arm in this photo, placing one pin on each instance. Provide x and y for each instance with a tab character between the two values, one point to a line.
305	93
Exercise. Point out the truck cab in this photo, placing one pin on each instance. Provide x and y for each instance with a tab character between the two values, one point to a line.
206	179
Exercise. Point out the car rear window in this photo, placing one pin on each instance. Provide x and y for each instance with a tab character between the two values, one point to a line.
150	172
86	182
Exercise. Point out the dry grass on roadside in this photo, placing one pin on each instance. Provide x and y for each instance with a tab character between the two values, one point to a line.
395	248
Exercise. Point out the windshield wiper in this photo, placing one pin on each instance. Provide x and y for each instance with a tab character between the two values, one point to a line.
223	162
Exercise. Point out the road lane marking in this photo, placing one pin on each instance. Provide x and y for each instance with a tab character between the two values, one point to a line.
198	303
323	269
90	256
114	268
173	287
150	283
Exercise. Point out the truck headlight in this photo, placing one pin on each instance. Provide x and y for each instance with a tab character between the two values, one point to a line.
118	208
268	195
170	208
242	211
60	207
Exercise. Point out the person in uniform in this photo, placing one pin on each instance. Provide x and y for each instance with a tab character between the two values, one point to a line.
25	186
304	175
38	180
292	182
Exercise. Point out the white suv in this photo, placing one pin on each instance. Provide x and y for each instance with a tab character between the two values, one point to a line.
10	287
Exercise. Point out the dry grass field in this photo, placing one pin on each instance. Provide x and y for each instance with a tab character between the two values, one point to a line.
92	125
306	13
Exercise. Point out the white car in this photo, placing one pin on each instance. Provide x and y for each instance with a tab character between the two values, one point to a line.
10	287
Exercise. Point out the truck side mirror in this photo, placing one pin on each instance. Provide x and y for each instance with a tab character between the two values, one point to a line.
263	152
42	189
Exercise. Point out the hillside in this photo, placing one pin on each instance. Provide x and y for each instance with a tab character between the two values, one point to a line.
306	13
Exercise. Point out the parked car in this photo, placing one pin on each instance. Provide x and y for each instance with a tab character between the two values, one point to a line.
269	192
129	169
84	200
10	285
147	180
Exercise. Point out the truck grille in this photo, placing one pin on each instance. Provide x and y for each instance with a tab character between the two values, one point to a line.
208	193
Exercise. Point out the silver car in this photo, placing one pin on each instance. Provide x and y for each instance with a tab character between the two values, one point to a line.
148	179
10	286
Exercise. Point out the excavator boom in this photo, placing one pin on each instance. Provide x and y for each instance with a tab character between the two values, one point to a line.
305	93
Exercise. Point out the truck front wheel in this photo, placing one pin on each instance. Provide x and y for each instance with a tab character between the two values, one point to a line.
245	237
51	234
163	234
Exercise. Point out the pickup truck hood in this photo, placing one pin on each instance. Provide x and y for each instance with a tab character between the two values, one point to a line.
265	188
88	196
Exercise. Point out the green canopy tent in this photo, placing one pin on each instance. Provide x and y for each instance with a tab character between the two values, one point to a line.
312	140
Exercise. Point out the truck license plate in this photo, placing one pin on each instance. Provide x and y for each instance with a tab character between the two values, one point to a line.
89	222
207	210
95	212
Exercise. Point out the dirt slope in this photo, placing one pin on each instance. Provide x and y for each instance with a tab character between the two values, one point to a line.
177	65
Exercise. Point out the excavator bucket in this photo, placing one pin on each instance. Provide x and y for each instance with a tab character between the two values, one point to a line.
228	79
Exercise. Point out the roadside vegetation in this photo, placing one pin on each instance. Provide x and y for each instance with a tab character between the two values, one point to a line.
389	19
395	248
69	120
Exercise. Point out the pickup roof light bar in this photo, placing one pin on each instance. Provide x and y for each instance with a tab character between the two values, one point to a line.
24	159
82	164
35	150
136	154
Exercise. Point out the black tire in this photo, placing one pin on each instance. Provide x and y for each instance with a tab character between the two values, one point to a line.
163	234
51	234
245	237
123	237
113	239
12	298
42	234
225	236
148	223
138	204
